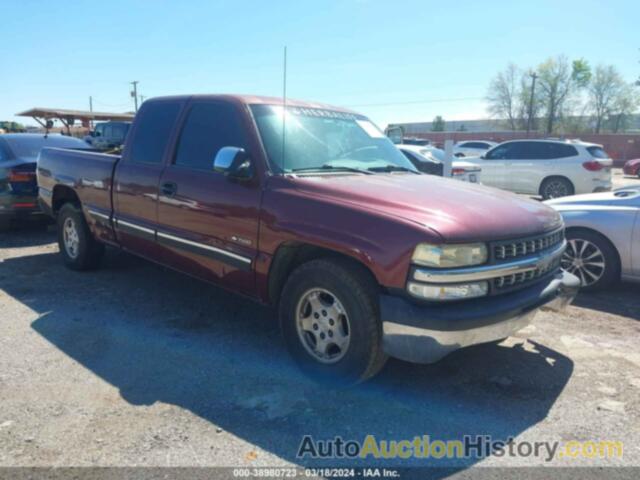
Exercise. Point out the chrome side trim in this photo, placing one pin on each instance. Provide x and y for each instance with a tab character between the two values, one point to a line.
488	272
135	227
205	247
93	213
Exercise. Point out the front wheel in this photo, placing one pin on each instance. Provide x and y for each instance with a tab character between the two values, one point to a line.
79	250
591	257
330	320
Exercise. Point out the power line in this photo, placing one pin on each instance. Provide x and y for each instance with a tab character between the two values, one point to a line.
411	102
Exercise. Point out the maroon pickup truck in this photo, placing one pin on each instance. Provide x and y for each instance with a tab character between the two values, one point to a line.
312	209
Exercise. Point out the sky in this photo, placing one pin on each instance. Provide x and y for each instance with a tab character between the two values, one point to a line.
395	61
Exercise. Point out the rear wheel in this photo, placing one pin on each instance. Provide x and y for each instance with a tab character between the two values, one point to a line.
591	257
79	250
331	323
556	187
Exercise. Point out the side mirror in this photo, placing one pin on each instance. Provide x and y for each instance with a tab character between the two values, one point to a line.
233	162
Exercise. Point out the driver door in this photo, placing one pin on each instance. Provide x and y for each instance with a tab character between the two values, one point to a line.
208	223
495	165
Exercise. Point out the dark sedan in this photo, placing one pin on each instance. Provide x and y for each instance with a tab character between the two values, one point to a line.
18	187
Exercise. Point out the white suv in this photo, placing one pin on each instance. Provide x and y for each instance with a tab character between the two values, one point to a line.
549	168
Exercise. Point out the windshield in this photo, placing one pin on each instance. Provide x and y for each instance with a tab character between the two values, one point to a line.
30	146
324	140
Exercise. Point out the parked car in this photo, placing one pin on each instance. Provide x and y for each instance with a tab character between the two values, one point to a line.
472	148
108	135
603	234
632	168
18	188
315	211
415	141
424	159
549	168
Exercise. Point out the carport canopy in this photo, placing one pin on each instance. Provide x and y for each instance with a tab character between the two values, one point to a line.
69	117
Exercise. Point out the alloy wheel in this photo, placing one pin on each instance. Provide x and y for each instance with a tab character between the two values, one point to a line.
556	189
70	237
585	260
323	325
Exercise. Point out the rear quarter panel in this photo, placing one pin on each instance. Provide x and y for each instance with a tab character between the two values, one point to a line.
88	174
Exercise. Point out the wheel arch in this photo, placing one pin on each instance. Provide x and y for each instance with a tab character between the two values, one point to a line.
63	194
291	255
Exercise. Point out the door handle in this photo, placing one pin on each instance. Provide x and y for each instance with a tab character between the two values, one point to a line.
169	189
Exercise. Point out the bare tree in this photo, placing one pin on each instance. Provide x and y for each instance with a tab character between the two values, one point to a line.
558	80
604	90
504	96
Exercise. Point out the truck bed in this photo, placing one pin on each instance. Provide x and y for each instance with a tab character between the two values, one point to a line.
88	174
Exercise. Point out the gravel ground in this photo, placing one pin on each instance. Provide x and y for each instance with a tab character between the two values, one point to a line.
134	365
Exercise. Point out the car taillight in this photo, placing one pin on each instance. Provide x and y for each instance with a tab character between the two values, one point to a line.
458	171
593	166
16	176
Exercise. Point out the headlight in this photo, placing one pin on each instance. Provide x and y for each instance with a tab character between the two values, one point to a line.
448	292
450	256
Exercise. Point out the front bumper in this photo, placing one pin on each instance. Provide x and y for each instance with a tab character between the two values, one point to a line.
422	333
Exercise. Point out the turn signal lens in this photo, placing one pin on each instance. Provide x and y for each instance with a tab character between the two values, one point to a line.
448	292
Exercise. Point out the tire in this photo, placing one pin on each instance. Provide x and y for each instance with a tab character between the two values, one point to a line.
556	187
79	250
596	250
307	290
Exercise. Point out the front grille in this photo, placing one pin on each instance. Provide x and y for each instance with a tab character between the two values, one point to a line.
520	279
510	249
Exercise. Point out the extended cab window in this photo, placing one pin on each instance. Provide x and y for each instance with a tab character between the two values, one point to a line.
152	132
208	128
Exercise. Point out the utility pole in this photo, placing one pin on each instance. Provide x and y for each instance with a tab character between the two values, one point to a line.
91	110
134	94
534	77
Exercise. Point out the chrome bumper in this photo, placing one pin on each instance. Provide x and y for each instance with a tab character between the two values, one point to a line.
419	337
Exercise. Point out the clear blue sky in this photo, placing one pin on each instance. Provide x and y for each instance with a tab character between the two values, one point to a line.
352	53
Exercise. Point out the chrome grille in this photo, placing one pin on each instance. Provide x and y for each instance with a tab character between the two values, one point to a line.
527	246
522	278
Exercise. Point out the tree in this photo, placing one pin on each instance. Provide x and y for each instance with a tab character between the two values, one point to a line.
626	102
558	81
504	96
438	124
604	90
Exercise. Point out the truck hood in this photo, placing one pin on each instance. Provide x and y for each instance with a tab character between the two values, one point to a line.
458	211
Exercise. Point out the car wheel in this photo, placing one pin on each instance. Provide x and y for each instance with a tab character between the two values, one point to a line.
592	258
556	187
79	250
330	320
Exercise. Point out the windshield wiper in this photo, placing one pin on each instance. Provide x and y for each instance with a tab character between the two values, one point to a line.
392	168
333	168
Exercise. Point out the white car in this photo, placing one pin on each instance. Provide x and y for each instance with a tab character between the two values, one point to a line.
472	148
430	160
549	168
